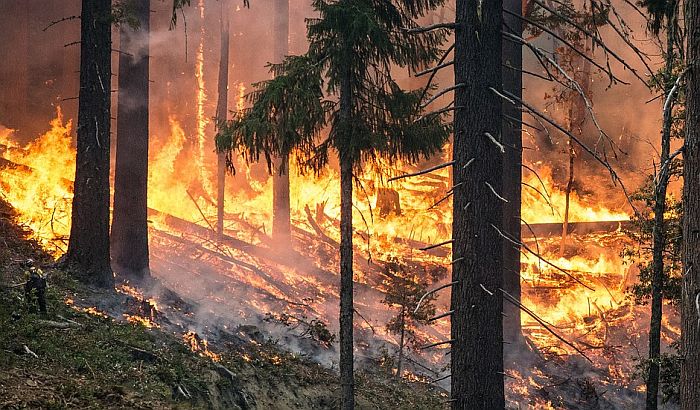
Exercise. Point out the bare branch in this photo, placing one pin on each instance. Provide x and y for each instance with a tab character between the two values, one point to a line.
437	245
430	292
441	93
425	171
53	23
437	26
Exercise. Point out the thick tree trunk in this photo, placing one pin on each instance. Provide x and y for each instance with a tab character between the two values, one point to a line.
281	214
512	173
130	219
477	324
347	380
88	248
659	235
346	159
221	114
690	304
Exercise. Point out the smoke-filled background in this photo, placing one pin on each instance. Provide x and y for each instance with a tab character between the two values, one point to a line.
39	72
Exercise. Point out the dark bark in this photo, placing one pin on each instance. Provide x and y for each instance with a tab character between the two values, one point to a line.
347	381
512	173
659	235
347	160
221	114
88	248
281	214
477	324
130	220
690	304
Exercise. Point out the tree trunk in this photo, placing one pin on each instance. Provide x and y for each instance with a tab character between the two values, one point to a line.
477	324
512	173
690	305
346	284
346	159
399	364
130	219
281	214
659	235
88	248
221	114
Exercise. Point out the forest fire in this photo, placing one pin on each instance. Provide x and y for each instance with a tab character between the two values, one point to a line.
370	196
593	259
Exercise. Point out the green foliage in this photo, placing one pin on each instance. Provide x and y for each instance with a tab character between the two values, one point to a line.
179	5
405	286
669	374
641	232
356	42
658	11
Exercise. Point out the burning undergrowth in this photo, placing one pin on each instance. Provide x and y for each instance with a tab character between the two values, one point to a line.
245	287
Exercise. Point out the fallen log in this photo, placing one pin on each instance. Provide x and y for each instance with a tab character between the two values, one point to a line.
545	230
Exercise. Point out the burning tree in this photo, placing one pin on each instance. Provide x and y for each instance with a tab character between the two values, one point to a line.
404	288
88	248
353	45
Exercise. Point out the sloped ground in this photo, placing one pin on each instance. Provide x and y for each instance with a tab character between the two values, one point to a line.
79	358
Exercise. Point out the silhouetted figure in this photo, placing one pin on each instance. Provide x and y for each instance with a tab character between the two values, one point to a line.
36	284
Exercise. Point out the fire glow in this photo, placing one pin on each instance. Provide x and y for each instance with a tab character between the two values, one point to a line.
39	187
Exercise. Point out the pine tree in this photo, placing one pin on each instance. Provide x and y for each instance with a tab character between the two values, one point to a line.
345	80
477	267
690	294
512	170
281	213
405	286
129	239
664	14
88	248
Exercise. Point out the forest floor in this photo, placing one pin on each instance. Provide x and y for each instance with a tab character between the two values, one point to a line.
80	357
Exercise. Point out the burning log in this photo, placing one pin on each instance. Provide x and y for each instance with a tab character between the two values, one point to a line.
318	230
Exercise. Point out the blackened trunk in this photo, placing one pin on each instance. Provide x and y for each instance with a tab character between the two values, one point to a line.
659	235
347	380
347	159
88	248
477	324
690	304
512	172
221	114
281	214
130	219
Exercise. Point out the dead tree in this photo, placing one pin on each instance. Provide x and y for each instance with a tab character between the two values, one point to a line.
129	239
88	248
